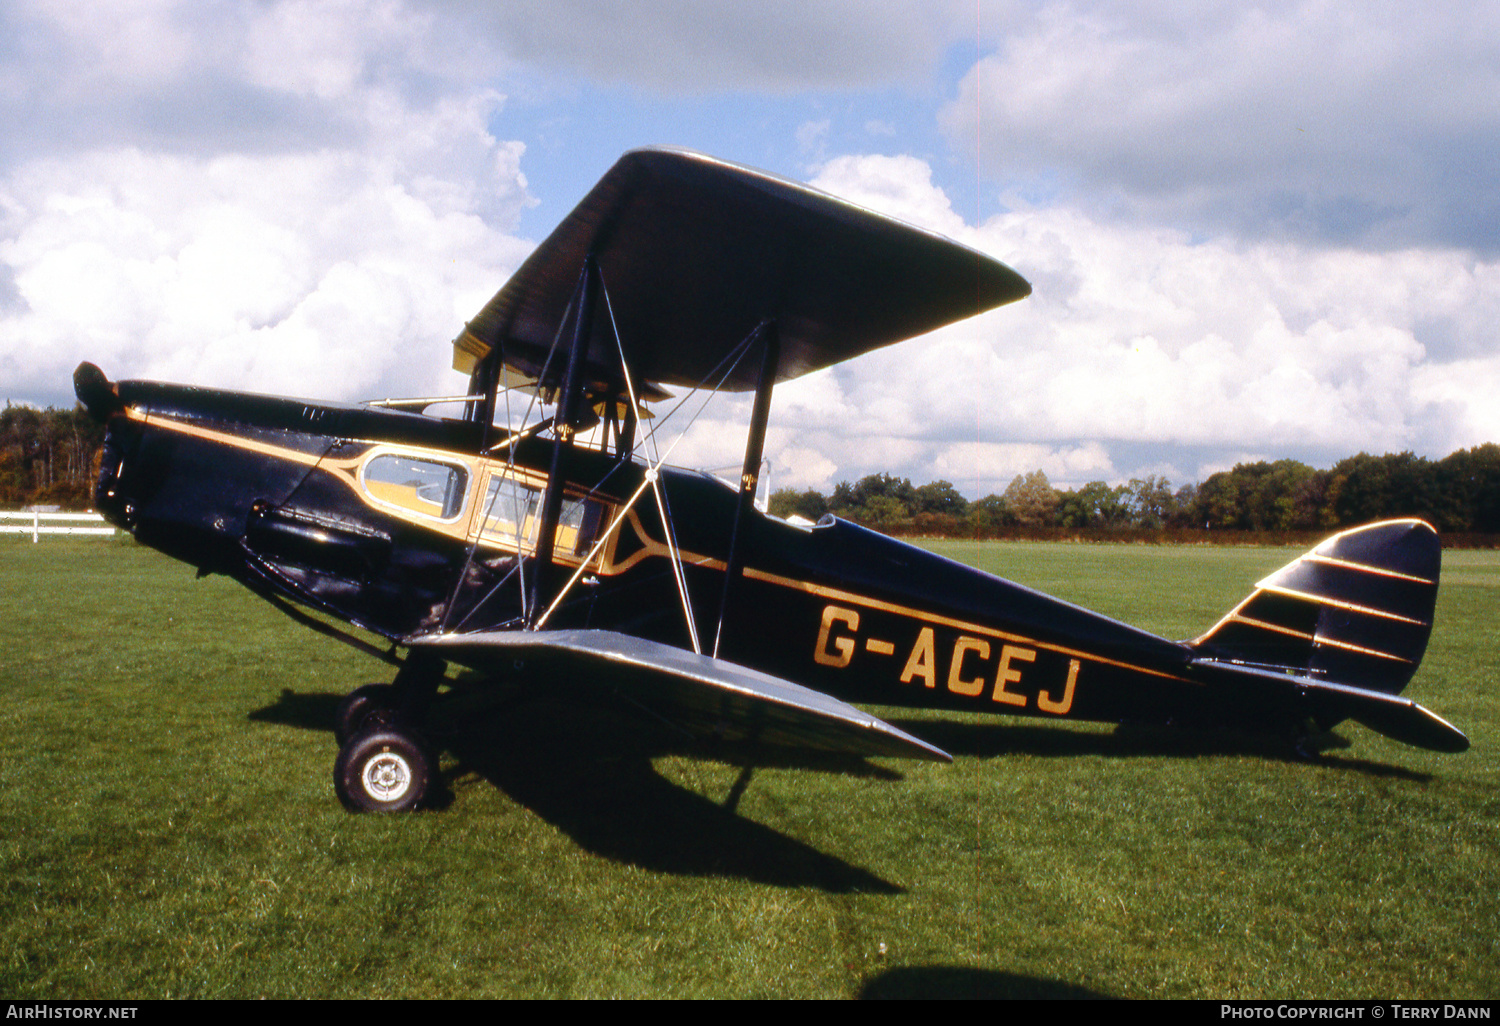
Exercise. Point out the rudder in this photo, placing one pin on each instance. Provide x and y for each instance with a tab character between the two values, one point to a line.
1357	609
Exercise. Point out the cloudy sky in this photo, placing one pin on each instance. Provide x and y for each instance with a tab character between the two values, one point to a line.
1253	231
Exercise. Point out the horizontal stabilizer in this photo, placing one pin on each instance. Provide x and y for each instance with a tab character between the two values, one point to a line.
705	695
1399	719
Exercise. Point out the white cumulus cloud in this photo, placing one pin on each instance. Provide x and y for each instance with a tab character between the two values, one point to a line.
1136	338
337	263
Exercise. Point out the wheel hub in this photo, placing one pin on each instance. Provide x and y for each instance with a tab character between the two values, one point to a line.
386	777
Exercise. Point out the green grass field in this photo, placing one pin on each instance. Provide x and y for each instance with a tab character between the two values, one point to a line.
168	826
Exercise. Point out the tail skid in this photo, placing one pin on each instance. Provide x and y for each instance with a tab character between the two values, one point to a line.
1346	625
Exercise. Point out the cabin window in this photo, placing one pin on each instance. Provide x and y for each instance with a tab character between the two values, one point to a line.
512	511
578	525
419	485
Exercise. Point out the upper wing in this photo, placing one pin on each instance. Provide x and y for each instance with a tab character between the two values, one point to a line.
703	694
695	252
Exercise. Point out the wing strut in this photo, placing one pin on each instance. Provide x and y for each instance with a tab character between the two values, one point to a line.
483	383
770	341
567	404
651	479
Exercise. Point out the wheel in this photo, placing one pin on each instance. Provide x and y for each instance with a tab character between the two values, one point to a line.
382	770
359	708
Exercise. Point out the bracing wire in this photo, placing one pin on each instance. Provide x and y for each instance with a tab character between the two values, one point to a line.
650	451
510	465
655	458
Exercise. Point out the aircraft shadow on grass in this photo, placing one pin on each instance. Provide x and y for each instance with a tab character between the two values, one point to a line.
571	765
991	739
942	981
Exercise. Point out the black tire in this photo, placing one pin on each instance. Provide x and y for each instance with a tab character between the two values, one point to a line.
383	770
363	708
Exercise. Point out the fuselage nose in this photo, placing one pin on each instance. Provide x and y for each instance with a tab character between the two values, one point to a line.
101	397
111	489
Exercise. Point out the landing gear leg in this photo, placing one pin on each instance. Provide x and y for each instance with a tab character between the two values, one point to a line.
360	710
384	764
1314	738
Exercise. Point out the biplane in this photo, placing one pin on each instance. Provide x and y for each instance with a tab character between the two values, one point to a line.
543	538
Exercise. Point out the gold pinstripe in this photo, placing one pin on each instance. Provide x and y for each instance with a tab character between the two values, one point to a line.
1249	621
1324	600
1364	568
346	471
836	594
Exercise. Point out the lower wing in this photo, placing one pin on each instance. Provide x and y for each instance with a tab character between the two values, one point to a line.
704	695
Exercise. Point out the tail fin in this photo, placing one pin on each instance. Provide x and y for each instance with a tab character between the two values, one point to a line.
1338	632
1356	610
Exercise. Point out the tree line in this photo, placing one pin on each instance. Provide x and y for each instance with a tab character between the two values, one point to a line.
1459	494
51	457
48	457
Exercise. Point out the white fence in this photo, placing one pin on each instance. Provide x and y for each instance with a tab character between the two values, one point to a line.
38	524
